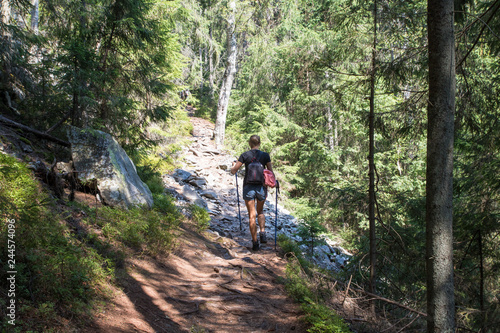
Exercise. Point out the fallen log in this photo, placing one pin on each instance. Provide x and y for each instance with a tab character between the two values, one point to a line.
39	134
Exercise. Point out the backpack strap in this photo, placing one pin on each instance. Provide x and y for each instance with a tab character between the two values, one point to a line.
256	156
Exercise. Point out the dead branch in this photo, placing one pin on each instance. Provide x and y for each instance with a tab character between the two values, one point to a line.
380	298
347	290
42	135
59	123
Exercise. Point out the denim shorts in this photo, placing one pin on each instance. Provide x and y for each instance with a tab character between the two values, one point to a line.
252	192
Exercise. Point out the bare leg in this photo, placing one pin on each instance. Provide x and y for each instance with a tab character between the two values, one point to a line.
260	215
252	215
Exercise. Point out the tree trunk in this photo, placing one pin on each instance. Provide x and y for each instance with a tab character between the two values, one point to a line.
6	12
481	278
211	63
330	141
371	162
34	16
227	82
439	178
200	51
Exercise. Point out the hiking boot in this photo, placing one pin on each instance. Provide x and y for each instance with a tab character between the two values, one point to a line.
263	237
255	245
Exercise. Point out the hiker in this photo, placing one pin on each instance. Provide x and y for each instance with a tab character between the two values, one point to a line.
253	191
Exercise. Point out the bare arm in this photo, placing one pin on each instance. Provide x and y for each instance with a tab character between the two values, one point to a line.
269	167
236	167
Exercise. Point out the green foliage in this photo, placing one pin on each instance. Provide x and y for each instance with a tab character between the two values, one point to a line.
300	287
60	273
200	217
310	230
113	64
147	230
56	273
289	246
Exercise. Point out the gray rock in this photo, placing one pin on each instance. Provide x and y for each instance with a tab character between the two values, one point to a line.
209	194
98	157
324	248
193	196
26	148
63	167
341	260
196	181
181	175
321	256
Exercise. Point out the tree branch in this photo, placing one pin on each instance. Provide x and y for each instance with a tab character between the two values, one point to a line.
42	135
480	33
59	123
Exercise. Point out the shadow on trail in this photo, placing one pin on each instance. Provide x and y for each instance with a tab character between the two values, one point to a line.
229	294
143	303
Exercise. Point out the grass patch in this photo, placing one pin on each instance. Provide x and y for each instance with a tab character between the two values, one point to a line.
66	255
150	231
57	275
200	217
309	294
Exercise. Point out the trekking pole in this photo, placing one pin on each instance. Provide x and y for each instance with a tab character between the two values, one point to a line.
238	196
276	216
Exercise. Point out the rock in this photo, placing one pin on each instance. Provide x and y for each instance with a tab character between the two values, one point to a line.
225	166
193	196
63	167
196	181
209	194
181	175
341	260
191	159
341	250
98	157
321	256
210	151
26	148
324	248
195	152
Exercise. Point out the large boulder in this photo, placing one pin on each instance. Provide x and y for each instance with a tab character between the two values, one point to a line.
98	158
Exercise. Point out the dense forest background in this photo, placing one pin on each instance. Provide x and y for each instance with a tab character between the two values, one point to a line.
302	79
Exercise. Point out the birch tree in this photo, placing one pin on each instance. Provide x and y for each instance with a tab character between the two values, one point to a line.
227	81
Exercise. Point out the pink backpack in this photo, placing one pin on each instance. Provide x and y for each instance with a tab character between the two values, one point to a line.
269	179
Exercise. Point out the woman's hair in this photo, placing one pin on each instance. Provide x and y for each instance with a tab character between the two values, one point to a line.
254	141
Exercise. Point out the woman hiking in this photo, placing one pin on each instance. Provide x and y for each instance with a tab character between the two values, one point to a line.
253	192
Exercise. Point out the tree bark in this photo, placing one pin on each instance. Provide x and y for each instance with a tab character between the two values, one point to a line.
329	119
371	162
227	82
481	277
211	63
34	16
439	177
6	11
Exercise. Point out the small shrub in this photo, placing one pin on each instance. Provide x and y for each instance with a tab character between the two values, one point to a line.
289	246
299	286
200	217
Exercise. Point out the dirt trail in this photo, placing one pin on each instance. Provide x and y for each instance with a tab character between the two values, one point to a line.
209	283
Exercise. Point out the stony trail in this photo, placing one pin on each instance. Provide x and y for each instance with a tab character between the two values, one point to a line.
212	282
